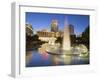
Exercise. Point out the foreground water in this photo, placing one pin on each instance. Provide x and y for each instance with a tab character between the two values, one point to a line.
36	59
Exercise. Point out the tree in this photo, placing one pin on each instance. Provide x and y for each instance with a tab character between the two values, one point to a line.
59	40
73	39
86	36
36	37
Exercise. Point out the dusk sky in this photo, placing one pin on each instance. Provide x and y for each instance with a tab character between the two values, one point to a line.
40	21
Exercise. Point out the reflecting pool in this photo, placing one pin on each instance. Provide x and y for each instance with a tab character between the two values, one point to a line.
34	58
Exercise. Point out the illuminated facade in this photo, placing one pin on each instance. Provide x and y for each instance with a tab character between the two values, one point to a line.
59	34
45	34
49	34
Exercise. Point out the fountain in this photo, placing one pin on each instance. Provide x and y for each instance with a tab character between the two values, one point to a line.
66	46
53	48
66	39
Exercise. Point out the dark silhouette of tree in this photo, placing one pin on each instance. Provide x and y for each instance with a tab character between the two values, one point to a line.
35	37
73	39
28	38
86	36
59	40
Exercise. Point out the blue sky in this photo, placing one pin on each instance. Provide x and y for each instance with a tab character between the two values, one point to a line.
40	21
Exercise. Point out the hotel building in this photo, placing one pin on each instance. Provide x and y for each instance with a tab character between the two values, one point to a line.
54	26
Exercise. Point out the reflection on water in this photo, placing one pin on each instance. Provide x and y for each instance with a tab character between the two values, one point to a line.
38	58
28	56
